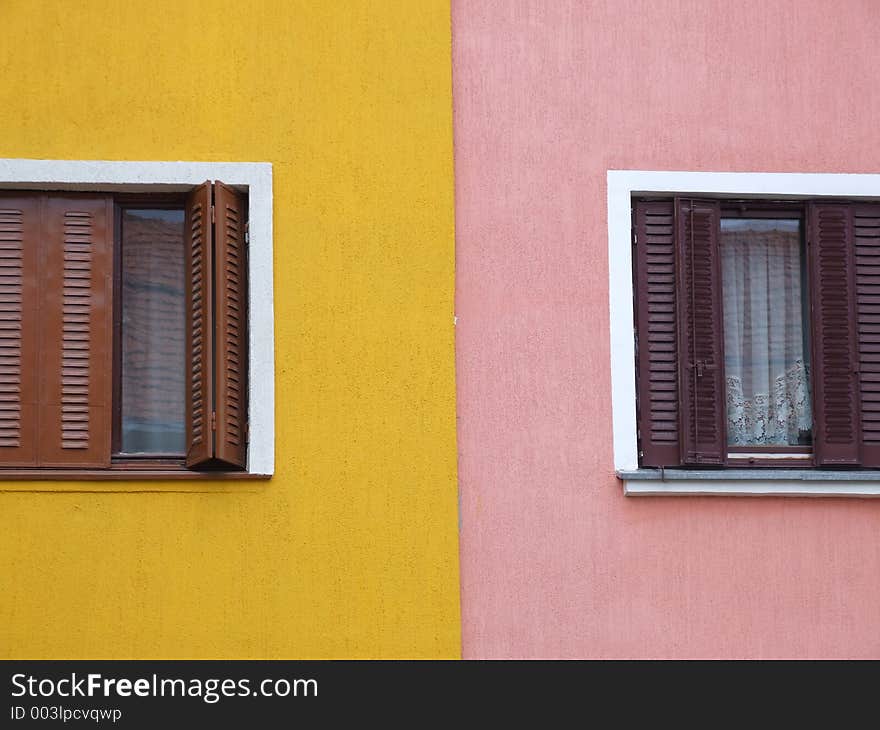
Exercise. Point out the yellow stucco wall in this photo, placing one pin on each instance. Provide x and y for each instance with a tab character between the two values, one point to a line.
351	550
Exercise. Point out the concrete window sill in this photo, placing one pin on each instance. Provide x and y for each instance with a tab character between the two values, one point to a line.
750	482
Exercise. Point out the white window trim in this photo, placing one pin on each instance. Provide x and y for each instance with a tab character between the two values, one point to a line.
622	185
256	178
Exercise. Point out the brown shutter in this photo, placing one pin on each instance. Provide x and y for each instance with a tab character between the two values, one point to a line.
656	333
866	229
231	320
835	352
75	360
216	343
199	327
19	292
700	333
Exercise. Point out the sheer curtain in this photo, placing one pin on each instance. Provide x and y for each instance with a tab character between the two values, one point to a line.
768	391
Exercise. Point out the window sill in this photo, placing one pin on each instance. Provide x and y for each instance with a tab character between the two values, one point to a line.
749	483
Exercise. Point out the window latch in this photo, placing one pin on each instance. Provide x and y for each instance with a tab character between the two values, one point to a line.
701	366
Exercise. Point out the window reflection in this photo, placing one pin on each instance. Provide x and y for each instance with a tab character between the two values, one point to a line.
152	332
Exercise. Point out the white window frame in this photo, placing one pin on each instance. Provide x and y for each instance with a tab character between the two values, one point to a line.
146	177
622	186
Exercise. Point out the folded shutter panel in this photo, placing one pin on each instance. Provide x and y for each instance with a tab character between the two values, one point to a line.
866	230
837	418
656	328
75	360
700	333
230	323
19	292
836	410
199	327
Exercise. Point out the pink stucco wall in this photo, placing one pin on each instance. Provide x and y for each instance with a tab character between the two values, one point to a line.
556	562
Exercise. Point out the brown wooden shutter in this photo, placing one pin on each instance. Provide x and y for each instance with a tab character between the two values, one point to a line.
656	333
836	412
231	320
19	292
216	417
866	230
700	333
75	359
199	327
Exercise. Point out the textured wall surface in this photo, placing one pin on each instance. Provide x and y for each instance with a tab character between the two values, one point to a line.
548	96
351	549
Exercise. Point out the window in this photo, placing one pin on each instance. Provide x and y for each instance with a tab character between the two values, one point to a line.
757	331
123	330
151	334
766	325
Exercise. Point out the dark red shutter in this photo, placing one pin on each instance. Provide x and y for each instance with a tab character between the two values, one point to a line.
230	321
836	432
19	293
656	333
866	231
199	327
700	333
76	359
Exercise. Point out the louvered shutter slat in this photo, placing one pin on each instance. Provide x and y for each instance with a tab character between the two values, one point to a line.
231	321
837	418
199	327
700	333
657	346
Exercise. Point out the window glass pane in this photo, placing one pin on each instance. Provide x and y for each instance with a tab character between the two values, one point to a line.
152	332
766	351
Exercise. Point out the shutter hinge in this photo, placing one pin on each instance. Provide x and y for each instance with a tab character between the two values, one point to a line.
213	420
212	214
635	237
247	232
247	432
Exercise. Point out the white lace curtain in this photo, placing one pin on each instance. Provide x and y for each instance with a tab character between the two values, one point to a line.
768	393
